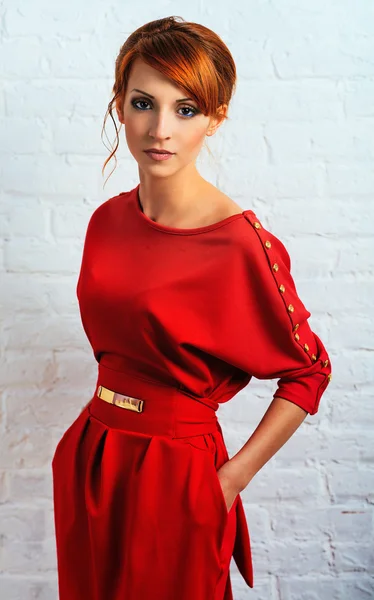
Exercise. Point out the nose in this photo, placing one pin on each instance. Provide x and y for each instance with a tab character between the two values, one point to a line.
160	126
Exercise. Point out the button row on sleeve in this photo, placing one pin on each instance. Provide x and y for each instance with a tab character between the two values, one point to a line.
290	308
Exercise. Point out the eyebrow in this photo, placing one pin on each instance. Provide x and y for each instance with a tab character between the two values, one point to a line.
150	96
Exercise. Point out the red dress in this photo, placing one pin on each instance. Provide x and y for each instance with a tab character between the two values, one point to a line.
182	319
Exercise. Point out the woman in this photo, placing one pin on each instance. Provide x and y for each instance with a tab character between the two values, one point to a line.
184	298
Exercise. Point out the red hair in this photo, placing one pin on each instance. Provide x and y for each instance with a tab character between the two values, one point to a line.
189	54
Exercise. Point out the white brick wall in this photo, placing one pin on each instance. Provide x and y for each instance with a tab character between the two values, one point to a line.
298	150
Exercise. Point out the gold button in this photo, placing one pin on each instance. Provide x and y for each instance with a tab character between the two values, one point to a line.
306	347
282	288
329	376
257	225
296	326
268	244
314	357
297	337
325	363
275	267
290	308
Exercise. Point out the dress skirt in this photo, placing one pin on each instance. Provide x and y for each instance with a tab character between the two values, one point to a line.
138	505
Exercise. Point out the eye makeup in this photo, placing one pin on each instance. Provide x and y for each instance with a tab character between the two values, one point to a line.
194	110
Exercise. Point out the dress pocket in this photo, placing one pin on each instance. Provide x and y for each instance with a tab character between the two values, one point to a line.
205	446
200	441
217	488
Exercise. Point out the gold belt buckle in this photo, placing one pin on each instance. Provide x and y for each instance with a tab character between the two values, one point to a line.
120	400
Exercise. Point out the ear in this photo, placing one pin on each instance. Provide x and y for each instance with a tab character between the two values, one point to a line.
119	109
215	123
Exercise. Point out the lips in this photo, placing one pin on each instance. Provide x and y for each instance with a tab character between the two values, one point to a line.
159	156
159	151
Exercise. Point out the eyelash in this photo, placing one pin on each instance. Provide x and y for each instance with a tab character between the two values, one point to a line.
194	110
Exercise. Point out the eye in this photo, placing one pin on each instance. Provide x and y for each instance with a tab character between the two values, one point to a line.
186	107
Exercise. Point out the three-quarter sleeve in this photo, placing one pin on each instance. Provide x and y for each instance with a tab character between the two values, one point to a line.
281	344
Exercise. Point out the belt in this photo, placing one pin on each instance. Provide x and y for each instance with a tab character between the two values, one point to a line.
120	400
126	401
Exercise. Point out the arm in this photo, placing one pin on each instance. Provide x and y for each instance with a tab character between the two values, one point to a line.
278	424
274	341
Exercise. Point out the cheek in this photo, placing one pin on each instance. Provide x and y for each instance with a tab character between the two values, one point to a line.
132	127
194	138
133	133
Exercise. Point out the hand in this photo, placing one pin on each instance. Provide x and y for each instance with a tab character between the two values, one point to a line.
230	482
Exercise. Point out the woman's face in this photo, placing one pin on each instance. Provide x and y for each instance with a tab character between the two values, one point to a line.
162	122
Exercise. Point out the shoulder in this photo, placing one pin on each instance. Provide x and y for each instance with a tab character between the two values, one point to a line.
112	203
218	205
107	209
260	244
224	205
268	264
252	236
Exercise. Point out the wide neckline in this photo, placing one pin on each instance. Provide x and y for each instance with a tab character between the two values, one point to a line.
179	230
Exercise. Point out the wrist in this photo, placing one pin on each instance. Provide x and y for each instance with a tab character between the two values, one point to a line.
241	473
